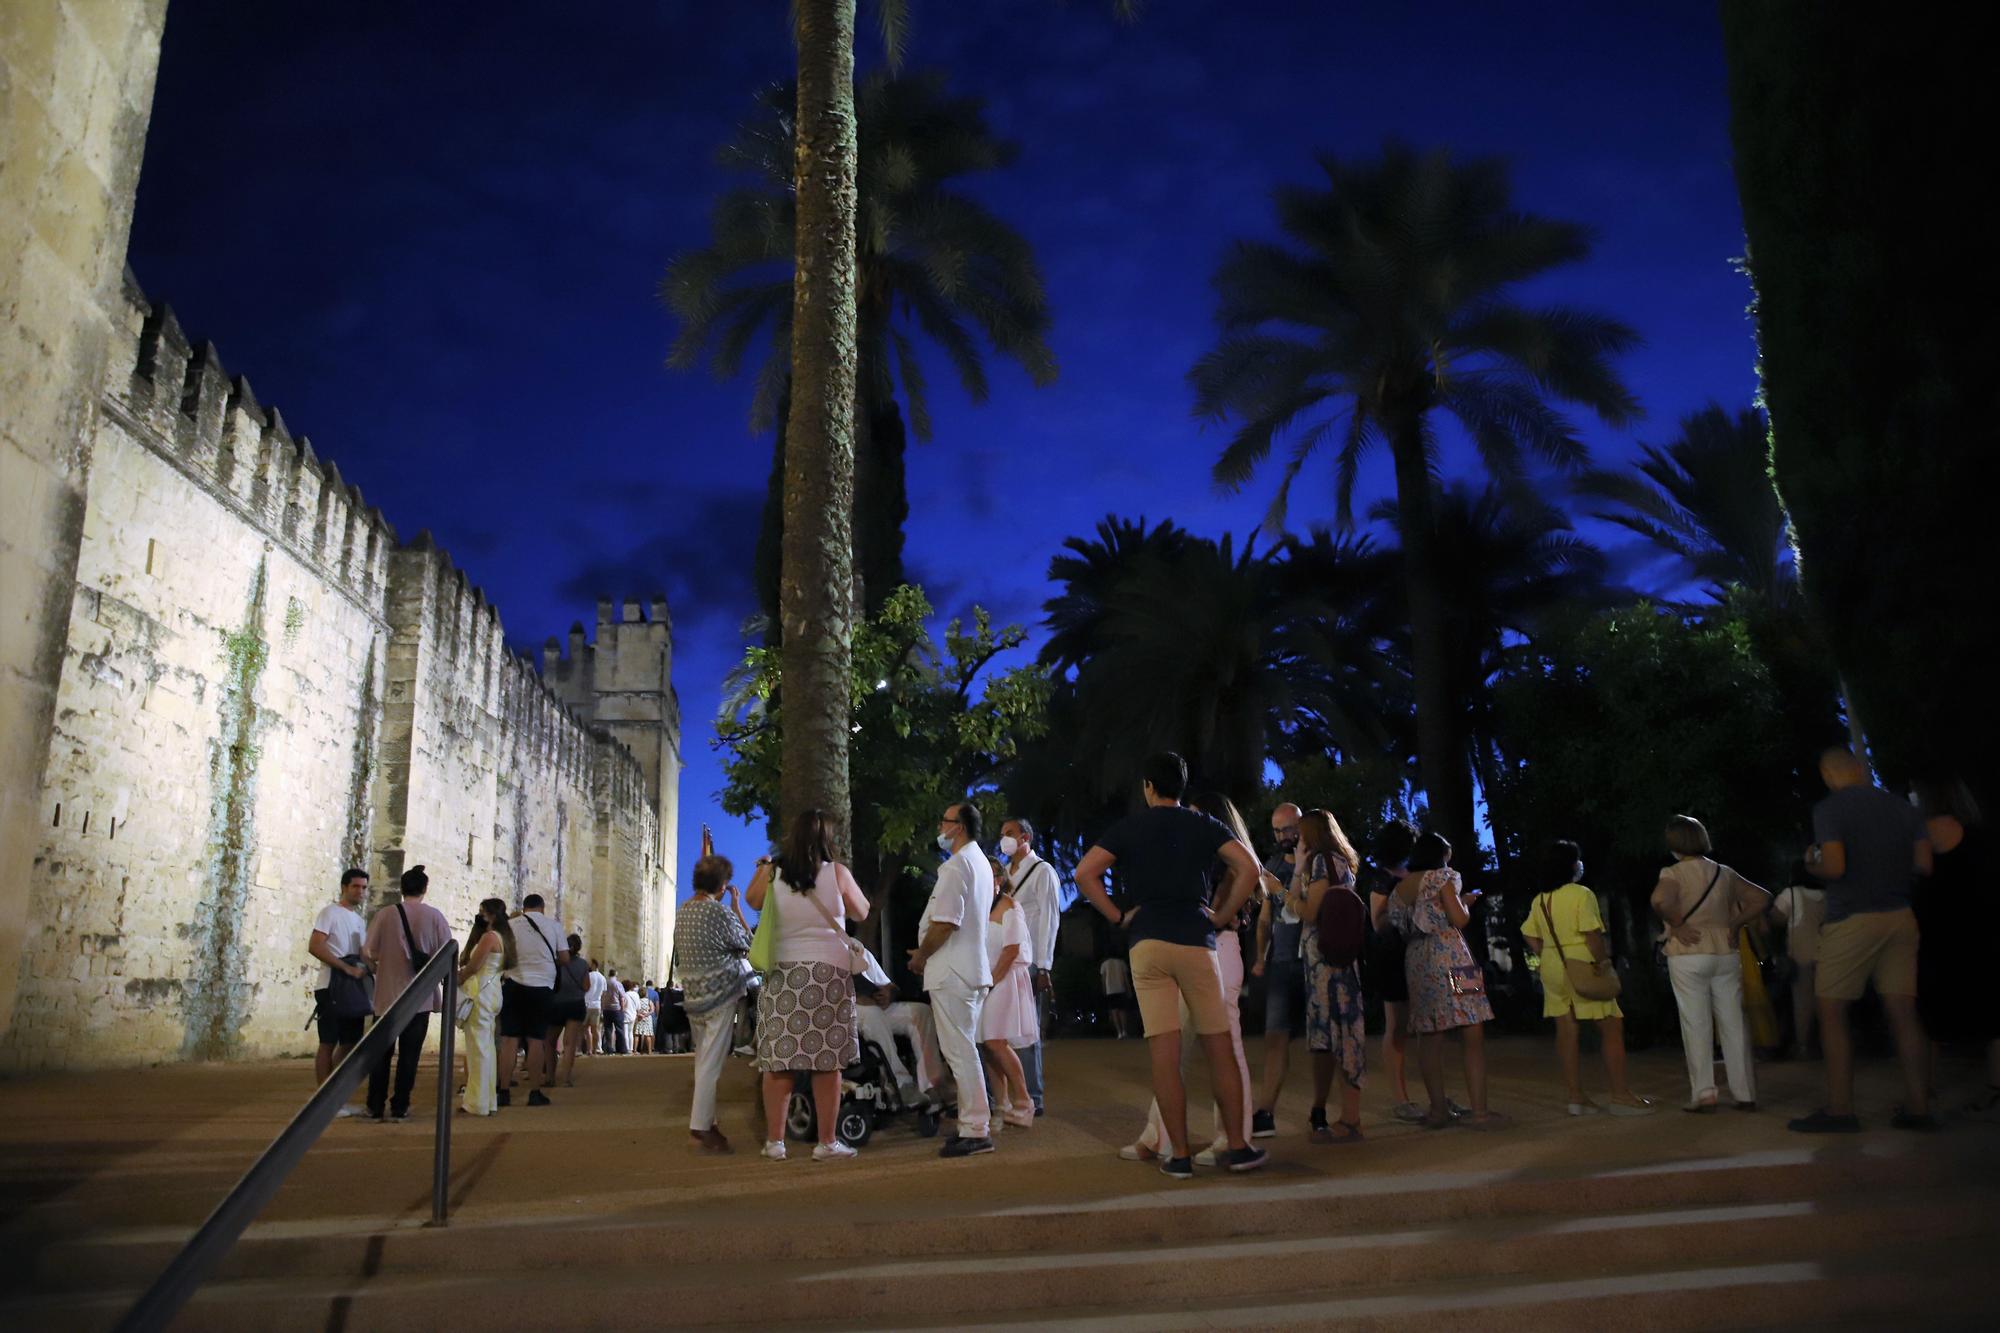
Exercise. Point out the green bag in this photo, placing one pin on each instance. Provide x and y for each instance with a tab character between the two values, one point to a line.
764	944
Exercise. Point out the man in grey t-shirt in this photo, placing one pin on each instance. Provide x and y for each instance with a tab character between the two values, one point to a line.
1281	966
1871	847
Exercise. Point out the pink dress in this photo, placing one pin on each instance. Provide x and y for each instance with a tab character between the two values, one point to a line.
1009	1012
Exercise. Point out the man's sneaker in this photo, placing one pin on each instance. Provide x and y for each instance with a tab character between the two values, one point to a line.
1244	1159
1912	1120
833	1152
350	1111
1826	1122
505	1097
1040	1112
539	1098
1180	1168
399	1116
966	1147
1263	1125
774	1150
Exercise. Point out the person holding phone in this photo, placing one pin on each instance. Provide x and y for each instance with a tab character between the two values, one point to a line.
1432	907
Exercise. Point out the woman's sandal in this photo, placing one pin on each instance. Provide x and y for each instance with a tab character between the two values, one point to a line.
1485	1120
1343	1131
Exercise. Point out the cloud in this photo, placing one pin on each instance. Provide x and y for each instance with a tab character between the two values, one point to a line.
702	560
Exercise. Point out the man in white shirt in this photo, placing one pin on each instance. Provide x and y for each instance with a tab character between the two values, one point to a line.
338	933
526	992
593	1011
1035	890
952	961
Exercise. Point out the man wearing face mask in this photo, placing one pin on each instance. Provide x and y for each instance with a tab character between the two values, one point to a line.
951	959
1281	963
1034	882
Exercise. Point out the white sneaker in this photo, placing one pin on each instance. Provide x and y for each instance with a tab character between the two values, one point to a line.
775	1150
833	1152
349	1112
1206	1157
1137	1152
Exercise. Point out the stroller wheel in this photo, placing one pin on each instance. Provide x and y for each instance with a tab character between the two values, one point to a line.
801	1124
928	1122
856	1124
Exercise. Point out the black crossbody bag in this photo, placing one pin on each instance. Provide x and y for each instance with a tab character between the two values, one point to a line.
418	957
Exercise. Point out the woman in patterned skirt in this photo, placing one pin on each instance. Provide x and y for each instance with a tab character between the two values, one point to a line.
1447	988
805	1012
1336	1022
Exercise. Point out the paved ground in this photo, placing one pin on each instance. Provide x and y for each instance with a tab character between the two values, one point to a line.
86	1154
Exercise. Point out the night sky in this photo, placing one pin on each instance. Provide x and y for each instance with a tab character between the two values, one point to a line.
432	234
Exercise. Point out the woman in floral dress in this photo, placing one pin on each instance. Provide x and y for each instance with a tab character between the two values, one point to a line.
1447	988
1336	1019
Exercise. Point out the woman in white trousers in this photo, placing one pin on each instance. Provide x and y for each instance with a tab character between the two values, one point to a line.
1704	904
711	943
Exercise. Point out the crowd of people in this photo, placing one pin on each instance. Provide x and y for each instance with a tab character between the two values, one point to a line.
529	1002
1317	929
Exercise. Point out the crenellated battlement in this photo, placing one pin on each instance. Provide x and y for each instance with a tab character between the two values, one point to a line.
182	403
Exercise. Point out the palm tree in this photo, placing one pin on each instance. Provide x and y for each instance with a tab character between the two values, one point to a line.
932	263
1179	642
1708	498
1390	302
1507	564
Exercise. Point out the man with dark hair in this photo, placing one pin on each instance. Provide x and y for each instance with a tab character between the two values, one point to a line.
615	1001
1036	890
1872	847
1165	853
1280	963
401	939
338	934
951	958
526	995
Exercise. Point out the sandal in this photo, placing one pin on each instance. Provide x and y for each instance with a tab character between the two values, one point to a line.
1485	1120
1342	1131
1408	1112
1436	1120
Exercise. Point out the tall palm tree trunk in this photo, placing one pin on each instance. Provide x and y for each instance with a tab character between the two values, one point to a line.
1441	757
815	595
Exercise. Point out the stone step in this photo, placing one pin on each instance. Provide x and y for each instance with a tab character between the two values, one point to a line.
1155	1212
1870	1283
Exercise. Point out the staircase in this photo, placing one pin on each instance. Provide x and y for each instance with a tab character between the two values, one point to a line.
1808	1236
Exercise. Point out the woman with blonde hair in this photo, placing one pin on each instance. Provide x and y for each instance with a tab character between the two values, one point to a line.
1704	904
806	1022
1336	1016
489	951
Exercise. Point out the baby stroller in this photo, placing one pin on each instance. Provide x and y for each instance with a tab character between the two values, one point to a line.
869	1096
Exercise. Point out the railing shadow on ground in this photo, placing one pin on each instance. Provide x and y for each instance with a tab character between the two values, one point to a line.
212	1242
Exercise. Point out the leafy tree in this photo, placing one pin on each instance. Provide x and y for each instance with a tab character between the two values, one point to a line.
1876	355
1391	301
1707	497
932	262
927	725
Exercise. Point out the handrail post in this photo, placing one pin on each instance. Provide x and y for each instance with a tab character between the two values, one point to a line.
441	1165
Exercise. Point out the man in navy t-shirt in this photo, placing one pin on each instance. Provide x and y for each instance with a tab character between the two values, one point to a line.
1165	855
1870	848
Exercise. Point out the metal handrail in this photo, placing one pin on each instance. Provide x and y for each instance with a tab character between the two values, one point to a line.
218	1235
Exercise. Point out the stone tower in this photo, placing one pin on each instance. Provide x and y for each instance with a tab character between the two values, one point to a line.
622	684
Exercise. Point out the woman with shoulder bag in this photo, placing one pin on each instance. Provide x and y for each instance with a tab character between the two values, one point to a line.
1704	904
805	1011
1447	988
1566	932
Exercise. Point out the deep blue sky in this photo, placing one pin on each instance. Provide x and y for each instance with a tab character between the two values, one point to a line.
431	235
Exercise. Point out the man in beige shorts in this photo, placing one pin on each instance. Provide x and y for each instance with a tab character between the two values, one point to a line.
1871	847
1164	855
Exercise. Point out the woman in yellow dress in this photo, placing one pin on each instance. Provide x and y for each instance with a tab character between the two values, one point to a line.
1564	922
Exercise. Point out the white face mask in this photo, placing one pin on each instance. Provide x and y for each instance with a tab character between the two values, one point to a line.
1008	846
944	843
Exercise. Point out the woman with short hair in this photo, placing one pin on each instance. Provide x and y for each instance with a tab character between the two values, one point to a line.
806	1022
1704	904
1563	924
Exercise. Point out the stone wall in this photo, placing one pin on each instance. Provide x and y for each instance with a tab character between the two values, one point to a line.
259	686
76	90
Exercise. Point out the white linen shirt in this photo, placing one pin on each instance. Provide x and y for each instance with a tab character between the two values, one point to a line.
1035	892
963	897
593	998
